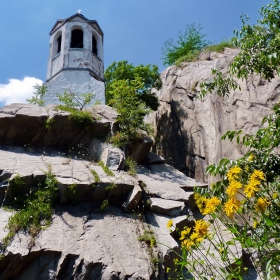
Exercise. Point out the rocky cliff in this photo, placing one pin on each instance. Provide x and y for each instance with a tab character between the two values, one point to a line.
86	240
188	130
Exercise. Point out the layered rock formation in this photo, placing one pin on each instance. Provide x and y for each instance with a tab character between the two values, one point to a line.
188	130
83	242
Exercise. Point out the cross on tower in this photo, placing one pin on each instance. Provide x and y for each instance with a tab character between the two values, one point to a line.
79	11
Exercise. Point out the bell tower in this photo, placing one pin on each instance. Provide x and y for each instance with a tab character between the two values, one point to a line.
75	59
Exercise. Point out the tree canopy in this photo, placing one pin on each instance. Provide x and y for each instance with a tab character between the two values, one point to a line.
124	71
189	41
132	110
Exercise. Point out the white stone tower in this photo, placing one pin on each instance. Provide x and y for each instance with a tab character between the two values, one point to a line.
76	59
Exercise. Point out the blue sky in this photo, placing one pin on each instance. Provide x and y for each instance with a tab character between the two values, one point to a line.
134	30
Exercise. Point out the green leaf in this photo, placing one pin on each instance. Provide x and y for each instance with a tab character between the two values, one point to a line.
269	222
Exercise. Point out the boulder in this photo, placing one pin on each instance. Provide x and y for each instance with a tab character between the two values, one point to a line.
133	198
106	112
140	149
114	158
164	181
154	159
96	148
166	206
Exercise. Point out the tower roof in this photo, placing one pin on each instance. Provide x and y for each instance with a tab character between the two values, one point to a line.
61	22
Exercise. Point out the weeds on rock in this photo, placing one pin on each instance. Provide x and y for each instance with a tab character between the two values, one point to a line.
95	175
82	117
106	169
148	237
35	212
72	188
104	205
130	166
111	187
220	47
49	123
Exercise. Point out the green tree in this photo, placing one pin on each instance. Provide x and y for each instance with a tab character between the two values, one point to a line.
124	71
259	52
39	92
73	100
189	41
132	110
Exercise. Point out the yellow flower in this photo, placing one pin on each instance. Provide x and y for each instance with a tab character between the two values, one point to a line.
255	224
261	204
257	174
200	201
232	173
184	233
252	187
176	261
194	236
152	242
251	157
187	243
168	269
199	239
275	195
233	187
211	205
232	206
169	224
201	227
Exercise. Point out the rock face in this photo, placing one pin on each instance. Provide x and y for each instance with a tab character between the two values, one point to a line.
26	125
188	130
83	242
80	244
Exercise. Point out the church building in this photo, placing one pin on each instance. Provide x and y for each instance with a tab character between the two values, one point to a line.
76	59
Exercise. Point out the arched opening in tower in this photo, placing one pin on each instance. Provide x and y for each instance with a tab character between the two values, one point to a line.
77	39
59	44
94	45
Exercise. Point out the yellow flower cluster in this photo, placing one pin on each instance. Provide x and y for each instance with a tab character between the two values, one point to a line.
206	205
193	236
200	201
233	204
211	205
253	186
233	188
254	182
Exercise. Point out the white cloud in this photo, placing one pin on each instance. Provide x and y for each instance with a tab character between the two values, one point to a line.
17	91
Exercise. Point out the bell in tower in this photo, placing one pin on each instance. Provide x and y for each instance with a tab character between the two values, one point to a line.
76	59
